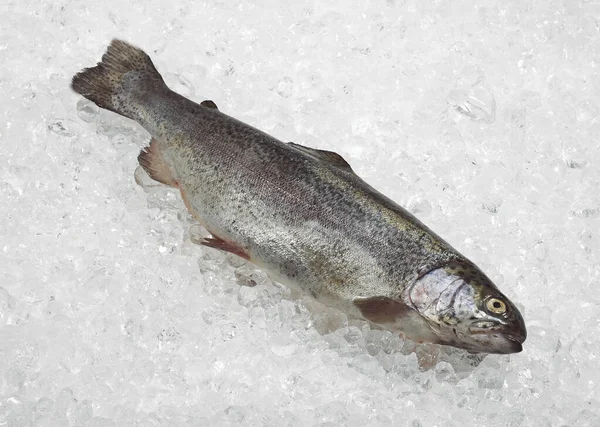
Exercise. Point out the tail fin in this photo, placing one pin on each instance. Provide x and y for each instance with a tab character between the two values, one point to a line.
119	81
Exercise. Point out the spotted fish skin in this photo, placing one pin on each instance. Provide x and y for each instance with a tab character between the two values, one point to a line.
299	213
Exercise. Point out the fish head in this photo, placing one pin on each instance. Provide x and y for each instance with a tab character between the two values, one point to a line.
464	309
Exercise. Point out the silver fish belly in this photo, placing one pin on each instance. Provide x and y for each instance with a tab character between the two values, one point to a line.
304	216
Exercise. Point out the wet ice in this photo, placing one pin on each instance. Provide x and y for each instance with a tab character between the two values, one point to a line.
479	118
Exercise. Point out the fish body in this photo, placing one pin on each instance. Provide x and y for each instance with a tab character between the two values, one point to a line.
303	215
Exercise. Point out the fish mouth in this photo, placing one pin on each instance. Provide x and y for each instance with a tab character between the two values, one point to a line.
497	339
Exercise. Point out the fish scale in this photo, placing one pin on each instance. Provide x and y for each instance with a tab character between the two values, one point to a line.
304	216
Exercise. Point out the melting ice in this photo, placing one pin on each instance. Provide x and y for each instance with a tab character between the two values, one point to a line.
482	119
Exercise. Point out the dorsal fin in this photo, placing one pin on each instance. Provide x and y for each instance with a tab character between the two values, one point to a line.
209	104
330	157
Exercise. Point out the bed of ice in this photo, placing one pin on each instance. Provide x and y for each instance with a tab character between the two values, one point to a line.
481	117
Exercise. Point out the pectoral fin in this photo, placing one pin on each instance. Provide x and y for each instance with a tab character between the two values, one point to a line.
382	310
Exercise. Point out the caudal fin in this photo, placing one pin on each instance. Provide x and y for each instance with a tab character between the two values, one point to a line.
120	80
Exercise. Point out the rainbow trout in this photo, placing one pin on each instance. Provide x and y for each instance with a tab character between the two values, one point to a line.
303	215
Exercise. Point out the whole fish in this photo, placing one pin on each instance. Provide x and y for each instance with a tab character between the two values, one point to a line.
304	216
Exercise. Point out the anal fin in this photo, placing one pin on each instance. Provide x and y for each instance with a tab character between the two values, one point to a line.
153	162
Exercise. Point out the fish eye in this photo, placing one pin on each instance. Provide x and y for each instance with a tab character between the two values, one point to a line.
496	306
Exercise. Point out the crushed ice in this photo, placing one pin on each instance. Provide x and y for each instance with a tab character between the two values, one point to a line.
482	119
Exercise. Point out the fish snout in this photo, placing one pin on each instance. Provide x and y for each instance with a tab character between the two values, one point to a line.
496	337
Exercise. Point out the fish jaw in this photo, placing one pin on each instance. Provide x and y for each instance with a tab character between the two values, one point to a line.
498	341
464	309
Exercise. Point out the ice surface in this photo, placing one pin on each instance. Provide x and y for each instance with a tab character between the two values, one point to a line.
481	117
